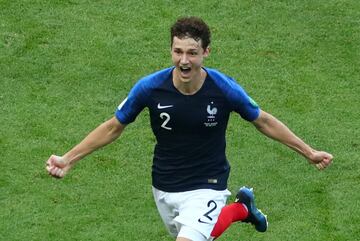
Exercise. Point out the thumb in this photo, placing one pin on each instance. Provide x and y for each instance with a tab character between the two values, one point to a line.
57	161
328	159
325	161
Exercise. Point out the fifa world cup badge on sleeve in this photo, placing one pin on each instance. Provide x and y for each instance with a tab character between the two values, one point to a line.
253	103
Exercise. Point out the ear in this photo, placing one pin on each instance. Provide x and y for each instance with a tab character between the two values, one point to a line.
207	51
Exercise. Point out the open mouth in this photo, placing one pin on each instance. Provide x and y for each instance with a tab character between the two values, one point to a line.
185	70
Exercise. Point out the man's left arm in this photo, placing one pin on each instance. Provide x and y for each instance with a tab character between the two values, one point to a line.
275	129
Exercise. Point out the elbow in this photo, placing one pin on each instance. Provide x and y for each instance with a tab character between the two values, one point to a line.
263	121
114	127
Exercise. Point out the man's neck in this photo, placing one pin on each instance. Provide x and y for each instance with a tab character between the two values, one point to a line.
189	87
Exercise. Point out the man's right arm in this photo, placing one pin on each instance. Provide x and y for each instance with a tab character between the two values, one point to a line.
104	134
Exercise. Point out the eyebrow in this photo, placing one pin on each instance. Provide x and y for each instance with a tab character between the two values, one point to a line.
191	49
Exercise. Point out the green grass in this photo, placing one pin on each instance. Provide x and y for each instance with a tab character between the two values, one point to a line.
66	65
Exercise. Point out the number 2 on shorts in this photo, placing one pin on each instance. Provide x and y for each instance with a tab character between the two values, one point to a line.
212	204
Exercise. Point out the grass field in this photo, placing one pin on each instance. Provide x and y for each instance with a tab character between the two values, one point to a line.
66	65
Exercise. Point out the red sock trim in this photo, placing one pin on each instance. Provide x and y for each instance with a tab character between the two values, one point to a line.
230	213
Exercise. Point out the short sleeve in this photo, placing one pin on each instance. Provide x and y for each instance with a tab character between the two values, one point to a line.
238	99
244	104
138	97
133	104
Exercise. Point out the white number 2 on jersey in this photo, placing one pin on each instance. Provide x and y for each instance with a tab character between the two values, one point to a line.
167	119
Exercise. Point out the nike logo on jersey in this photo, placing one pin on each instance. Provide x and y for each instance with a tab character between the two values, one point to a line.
159	106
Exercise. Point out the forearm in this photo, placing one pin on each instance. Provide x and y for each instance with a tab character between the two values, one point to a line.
104	134
275	129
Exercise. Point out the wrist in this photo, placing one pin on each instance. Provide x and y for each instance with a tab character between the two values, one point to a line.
310	154
66	159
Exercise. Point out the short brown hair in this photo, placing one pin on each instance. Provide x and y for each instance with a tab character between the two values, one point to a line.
192	27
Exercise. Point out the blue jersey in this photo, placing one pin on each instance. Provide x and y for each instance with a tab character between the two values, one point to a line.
189	129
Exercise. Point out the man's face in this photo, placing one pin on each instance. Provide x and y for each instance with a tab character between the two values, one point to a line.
187	55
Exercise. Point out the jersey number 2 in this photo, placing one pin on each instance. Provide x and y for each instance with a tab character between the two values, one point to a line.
165	116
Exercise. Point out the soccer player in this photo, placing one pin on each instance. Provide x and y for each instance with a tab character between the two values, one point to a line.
189	108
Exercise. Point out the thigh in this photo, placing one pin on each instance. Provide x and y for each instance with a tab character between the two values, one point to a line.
189	234
196	210
199	209
167	211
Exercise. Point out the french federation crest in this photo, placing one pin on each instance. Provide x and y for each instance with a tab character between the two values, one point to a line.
211	118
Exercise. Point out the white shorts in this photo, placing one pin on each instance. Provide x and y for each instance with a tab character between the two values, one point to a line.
196	210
